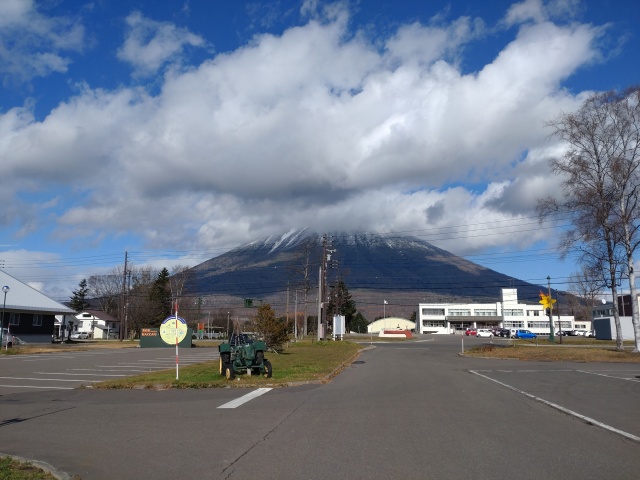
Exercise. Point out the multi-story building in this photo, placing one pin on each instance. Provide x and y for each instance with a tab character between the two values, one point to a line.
506	313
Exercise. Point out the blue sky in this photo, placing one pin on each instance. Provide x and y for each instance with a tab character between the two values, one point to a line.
177	130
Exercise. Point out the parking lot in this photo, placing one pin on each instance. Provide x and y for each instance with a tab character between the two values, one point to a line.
69	370
482	407
603	395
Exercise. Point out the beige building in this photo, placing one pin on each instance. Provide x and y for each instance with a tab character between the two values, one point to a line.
390	323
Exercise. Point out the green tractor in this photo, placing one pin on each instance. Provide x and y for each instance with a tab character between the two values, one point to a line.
243	354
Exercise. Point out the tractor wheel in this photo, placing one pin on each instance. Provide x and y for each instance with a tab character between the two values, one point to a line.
221	367
225	357
268	371
259	357
229	372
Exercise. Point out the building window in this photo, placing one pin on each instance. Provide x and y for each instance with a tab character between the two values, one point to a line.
533	313
433	323
508	312
86	315
513	324
485	312
37	320
539	324
14	319
435	312
461	312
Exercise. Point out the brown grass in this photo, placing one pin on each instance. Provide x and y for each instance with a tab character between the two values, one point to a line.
553	353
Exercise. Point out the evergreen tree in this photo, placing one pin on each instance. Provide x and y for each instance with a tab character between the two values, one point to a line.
160	297
359	324
79	298
340	303
275	331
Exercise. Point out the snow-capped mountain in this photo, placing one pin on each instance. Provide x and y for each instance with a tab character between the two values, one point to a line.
367	262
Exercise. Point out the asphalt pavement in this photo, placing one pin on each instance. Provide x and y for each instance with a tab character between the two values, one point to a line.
411	410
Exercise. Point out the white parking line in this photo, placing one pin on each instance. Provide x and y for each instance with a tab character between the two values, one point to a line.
79	374
245	398
131	365
49	379
563	409
29	386
628	379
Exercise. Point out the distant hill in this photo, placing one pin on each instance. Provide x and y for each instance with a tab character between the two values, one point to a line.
402	270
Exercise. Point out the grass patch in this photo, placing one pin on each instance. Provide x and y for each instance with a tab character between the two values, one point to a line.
550	353
13	470
299	362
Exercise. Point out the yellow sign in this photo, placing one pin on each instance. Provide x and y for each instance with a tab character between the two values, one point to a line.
546	300
168	330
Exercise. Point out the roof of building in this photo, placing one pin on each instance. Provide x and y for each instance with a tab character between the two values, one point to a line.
100	315
23	298
393	322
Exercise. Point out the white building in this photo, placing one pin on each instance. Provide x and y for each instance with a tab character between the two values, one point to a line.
506	313
604	322
97	324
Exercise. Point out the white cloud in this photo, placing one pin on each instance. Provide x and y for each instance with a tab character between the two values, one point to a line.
34	45
316	127
150	44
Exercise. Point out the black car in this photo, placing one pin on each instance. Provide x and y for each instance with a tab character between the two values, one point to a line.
503	332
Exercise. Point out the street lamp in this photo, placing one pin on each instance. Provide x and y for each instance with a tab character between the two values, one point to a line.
5	289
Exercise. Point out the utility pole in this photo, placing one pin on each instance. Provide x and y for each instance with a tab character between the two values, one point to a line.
124	298
295	318
552	337
319	333
559	322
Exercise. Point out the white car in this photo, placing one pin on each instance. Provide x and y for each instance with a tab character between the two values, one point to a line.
483	332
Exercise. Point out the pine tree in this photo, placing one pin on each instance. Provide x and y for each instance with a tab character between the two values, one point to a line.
340	303
359	323
79	298
160	296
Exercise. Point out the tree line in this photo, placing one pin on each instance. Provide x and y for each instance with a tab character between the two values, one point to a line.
144	297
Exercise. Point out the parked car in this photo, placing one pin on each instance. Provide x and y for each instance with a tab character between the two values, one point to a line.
79	335
590	334
524	334
470	331
503	332
483	332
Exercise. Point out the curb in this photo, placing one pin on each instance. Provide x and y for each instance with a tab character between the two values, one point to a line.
60	475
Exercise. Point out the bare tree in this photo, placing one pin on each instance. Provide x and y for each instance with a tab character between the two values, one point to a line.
601	181
587	286
179	277
107	290
141	309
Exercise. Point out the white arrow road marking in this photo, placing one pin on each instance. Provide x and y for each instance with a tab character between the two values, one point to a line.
245	398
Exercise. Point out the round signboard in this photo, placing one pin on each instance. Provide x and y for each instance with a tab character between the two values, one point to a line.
168	329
